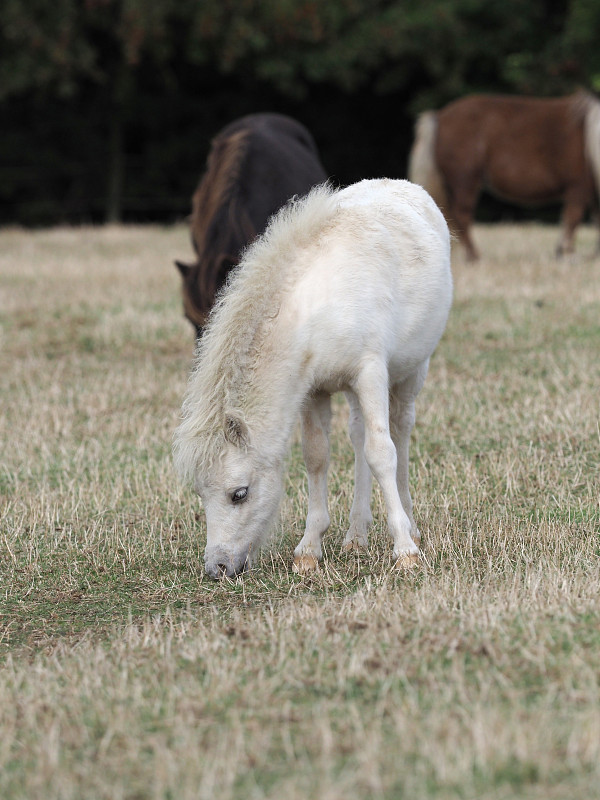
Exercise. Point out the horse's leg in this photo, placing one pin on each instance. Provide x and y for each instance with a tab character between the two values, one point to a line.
402	420
316	420
371	387
357	536
572	215
596	220
462	196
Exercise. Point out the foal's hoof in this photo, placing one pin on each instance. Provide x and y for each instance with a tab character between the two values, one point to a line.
305	564
408	561
354	547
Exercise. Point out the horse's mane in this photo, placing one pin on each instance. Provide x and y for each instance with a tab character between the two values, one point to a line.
216	208
219	184
227	352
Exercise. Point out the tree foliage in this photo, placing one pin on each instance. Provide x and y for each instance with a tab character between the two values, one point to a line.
106	58
447	46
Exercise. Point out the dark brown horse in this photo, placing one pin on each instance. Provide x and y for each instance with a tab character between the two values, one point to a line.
254	166
526	150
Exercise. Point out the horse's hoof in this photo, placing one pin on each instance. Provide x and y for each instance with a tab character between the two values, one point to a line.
408	561
354	547
305	564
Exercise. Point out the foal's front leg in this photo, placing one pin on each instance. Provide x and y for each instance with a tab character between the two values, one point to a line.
381	455
316	421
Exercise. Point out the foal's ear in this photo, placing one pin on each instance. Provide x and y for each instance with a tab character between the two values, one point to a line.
236	431
184	268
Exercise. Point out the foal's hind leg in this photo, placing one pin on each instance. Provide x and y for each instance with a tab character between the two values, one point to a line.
402	420
316	420
380	451
357	537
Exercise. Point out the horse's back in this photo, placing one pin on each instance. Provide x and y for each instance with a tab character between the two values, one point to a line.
281	161
524	148
401	210
505	110
480	125
270	124
378	283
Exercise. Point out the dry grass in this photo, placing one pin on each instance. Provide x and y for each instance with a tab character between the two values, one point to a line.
125	673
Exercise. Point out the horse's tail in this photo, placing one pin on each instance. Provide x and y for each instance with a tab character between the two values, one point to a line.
592	138
422	168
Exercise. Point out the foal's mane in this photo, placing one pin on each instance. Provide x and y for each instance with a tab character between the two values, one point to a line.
230	347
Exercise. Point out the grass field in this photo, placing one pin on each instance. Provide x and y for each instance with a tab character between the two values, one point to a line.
125	674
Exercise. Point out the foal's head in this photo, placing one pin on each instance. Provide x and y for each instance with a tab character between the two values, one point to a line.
240	494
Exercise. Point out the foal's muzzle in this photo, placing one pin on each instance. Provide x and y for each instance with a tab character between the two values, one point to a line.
219	564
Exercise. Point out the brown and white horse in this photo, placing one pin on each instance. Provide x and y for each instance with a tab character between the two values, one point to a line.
526	150
255	165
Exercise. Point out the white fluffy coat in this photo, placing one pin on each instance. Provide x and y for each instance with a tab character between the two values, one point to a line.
345	291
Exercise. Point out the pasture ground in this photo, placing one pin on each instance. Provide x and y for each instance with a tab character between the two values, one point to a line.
126	674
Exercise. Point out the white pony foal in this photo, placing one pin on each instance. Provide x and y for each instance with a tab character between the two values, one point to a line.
345	291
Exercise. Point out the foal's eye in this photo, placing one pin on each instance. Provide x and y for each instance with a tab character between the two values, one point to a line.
239	495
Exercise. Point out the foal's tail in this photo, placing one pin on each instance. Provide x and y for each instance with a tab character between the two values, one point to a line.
592	138
422	168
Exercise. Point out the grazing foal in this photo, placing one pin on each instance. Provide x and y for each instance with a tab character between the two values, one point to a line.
345	291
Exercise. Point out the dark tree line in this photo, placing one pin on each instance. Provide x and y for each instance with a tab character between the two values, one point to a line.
108	106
